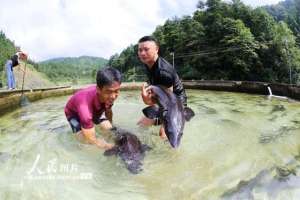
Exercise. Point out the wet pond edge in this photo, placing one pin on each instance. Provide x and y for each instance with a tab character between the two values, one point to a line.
12	100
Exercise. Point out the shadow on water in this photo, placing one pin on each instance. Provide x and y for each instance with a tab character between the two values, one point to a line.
268	183
276	182
4	156
203	109
277	108
282	132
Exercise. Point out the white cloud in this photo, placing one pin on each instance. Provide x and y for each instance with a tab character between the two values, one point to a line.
60	28
255	3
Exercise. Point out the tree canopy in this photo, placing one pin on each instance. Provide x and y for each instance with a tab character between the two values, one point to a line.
224	40
218	41
289	12
71	69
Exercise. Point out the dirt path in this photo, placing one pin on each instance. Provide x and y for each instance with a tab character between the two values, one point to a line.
32	79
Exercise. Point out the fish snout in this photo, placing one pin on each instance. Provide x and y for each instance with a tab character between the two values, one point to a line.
175	139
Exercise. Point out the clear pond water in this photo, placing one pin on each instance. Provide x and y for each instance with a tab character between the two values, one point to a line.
238	146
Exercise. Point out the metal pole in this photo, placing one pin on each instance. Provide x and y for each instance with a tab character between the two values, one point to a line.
24	72
134	74
288	61
290	74
172	53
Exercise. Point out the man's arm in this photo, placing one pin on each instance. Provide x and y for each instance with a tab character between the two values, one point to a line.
109	114
106	125
90	137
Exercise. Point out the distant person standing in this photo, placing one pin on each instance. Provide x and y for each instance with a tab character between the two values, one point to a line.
10	64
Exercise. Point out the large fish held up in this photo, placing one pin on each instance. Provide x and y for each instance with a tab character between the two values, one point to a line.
129	148
170	111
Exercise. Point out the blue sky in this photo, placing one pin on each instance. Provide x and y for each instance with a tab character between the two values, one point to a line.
59	28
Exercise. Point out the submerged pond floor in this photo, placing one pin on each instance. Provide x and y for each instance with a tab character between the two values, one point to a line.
238	146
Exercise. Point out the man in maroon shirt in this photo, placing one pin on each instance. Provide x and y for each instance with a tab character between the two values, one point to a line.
92	105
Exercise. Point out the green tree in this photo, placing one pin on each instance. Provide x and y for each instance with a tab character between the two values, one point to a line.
285	47
7	49
241	54
75	70
226	40
288	11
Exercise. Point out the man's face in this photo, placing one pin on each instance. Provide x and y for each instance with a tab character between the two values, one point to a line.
148	52
108	94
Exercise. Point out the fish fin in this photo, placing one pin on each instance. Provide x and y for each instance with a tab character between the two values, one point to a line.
4	156
188	113
115	130
145	147
151	112
111	152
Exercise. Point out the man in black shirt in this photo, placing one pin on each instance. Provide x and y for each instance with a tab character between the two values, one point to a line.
159	72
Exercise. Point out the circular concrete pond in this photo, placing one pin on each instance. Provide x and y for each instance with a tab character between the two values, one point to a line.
238	146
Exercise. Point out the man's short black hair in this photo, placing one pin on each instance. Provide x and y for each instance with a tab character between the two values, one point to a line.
148	38
107	76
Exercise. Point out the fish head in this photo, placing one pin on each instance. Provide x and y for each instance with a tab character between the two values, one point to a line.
131	152
128	142
129	148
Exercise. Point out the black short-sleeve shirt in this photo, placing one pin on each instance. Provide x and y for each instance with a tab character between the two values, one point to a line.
163	73
15	60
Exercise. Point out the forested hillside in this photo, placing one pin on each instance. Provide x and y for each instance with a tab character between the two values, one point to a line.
218	41
76	70
224	41
289	12
7	49
59	70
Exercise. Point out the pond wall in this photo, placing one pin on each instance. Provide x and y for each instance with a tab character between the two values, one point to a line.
291	91
10	100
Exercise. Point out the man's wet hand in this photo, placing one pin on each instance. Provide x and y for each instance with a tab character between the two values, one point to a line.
108	146
146	122
145	90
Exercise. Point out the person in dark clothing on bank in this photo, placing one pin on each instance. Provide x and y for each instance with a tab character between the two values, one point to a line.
10	64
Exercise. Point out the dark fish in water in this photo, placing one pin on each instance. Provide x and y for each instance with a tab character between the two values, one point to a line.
129	148
172	113
4	156
268	181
